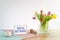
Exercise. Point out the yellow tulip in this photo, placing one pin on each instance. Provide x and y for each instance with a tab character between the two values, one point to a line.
53	16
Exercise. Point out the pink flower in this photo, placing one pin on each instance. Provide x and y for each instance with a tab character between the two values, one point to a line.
41	12
49	13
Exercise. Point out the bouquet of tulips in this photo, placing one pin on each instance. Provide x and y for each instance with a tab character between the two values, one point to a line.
44	18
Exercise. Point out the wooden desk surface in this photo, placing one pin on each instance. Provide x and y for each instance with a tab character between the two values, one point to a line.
53	35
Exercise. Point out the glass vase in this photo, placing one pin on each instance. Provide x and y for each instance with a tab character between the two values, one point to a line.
44	27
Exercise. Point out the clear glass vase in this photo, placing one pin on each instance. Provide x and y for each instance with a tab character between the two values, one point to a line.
44	27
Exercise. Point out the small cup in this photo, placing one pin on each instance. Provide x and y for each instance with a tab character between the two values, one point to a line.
8	33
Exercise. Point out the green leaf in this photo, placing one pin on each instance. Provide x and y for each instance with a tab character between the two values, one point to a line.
38	16
47	18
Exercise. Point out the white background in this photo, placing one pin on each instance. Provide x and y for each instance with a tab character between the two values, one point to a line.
20	12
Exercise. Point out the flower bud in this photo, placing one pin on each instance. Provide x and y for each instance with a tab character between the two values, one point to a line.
34	18
49	13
